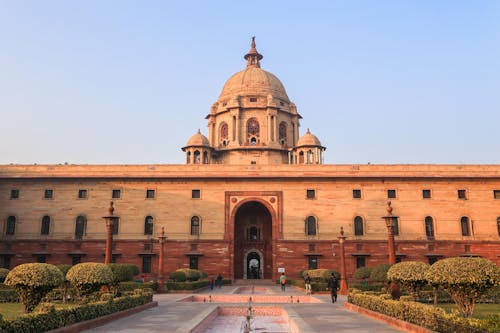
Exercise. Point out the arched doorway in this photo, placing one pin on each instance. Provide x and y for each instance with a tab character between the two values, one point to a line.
253	242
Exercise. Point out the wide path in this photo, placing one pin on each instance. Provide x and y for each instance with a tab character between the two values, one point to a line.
180	317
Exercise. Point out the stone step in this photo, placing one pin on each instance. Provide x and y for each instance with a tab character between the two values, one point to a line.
254	282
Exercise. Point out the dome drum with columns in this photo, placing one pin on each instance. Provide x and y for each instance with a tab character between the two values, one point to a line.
253	122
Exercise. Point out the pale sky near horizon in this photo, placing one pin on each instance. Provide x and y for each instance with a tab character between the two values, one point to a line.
128	82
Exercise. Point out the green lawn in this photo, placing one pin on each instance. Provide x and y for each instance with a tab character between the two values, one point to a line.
14	310
480	310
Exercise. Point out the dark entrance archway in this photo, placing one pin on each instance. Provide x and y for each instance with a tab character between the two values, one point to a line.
253	242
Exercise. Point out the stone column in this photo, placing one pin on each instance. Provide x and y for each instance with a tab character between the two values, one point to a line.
389	222
343	281
161	241
109	219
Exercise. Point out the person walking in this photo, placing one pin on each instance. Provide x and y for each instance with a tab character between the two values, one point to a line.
333	285
283	281
307	281
219	280
212	281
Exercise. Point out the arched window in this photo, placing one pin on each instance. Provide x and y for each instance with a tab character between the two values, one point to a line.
11	225
148	225
116	225
358	226
301	157
311	226
45	225
223	133
196	157
253	130
188	157
429	227
80	225
282	133
253	233
205	157
195	225
464	226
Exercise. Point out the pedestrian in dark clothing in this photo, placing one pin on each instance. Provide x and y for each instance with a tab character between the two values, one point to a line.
219	280
333	285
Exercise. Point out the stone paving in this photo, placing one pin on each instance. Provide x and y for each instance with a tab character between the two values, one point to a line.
172	316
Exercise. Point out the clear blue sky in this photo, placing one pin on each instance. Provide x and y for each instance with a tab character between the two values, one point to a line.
130	81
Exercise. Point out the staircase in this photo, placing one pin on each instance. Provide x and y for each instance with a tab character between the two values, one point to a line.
253	282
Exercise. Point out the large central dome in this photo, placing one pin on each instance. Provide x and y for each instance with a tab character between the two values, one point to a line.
253	81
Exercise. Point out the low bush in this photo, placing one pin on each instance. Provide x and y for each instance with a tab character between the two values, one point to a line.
178	276
378	287
131	286
52	319
3	274
321	275
8	296
188	285
427	316
191	274
88	277
379	273
124	272
363	273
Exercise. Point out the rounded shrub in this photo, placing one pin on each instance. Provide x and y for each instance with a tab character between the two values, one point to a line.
124	272
321	275
3	274
88	277
465	279
178	276
191	274
363	273
379	273
64	268
410	274
33	281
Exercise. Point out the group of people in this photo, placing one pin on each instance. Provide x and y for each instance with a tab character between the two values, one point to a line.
217	281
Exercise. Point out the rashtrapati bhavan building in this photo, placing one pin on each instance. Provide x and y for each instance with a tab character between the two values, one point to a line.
253	196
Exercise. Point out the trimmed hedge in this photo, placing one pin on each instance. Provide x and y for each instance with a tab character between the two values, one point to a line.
315	286
3	274
124	272
189	285
45	321
131	286
8	296
427	316
88	277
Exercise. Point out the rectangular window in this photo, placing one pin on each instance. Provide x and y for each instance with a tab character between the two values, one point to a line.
195	194
462	194
312	247
14	194
426	194
253	99
360	262
467	248
431	260
116	194
41	258
150	194
496	194
76	259
391	194
313	262
193	262
48	194
5	261
146	264
356	194
310	194
82	194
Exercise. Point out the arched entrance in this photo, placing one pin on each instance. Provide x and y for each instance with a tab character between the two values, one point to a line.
253	242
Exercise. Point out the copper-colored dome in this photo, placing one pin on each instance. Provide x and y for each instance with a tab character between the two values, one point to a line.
253	81
308	139
198	140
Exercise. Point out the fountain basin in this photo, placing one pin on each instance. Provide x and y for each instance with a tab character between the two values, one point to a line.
245	299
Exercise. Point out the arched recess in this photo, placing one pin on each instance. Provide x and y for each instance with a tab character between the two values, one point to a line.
250	255
269	208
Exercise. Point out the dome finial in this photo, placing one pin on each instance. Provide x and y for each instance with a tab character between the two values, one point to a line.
253	56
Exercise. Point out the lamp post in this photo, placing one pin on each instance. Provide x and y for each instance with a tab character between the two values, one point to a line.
161	240
109	219
389	222
343	281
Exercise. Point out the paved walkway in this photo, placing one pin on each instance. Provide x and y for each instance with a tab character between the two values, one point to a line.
181	317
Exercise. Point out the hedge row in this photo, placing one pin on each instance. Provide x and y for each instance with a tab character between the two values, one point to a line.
45	321
427	316
8	296
188	285
131	286
315	286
